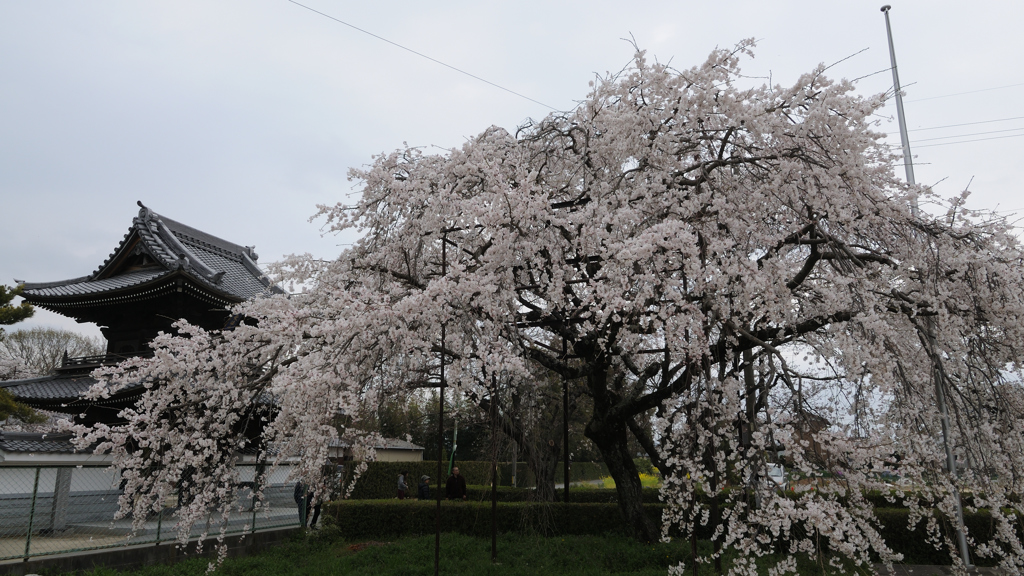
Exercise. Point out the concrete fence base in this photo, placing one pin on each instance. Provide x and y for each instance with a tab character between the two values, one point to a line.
130	557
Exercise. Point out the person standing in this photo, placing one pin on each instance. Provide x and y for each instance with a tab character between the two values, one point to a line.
303	501
455	487
316	511
402	486
423	490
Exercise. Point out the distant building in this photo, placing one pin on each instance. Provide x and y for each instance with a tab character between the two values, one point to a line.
388	450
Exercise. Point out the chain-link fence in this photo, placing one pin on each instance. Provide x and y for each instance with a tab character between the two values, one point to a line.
58	509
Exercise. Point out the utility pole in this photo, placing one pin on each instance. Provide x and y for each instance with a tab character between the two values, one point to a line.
940	394
908	160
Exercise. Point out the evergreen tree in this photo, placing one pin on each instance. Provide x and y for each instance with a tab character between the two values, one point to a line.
11	407
10	314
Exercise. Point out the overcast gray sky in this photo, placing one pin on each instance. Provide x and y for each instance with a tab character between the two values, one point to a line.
237	118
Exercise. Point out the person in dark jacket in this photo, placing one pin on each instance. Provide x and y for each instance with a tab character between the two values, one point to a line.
455	488
423	489
403	485
304	500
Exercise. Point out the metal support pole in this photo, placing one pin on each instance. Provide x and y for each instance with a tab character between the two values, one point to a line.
940	395
31	515
440	422
159	522
515	460
253	529
256	481
494	470
565	426
747	436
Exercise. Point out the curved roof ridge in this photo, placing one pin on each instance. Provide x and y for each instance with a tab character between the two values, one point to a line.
42	285
147	223
254	269
227	268
110	258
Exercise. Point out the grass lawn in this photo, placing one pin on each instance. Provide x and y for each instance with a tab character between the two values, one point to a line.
460	555
646	480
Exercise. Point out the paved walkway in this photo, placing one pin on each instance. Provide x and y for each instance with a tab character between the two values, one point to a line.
95	535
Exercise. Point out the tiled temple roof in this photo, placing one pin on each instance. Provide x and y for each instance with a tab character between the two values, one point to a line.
49	388
35	442
83	286
224	268
65	393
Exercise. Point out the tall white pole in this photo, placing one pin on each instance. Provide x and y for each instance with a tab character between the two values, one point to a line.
940	395
908	161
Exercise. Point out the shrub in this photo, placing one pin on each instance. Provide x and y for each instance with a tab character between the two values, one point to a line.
582	471
392	518
380	480
482	493
644	466
914	545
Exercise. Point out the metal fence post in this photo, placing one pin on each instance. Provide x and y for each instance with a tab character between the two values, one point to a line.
159	521
31	515
257	479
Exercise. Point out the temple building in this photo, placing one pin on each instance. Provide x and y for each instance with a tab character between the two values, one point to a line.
160	272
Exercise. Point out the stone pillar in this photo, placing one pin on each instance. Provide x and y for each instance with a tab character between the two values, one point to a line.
61	499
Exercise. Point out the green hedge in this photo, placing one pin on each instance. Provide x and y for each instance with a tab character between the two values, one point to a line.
914	545
583	496
581	471
380	480
354	519
644	466
880	499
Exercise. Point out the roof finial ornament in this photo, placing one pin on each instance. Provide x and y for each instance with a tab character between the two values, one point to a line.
144	212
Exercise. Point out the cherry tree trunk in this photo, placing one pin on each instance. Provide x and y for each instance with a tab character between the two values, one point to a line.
610	437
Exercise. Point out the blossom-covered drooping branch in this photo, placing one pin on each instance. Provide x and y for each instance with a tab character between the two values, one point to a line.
740	261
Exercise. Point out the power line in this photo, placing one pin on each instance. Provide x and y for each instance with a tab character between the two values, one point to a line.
966	141
969	92
421	55
971	134
964	124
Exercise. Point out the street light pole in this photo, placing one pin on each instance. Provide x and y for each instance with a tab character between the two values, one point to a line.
940	394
